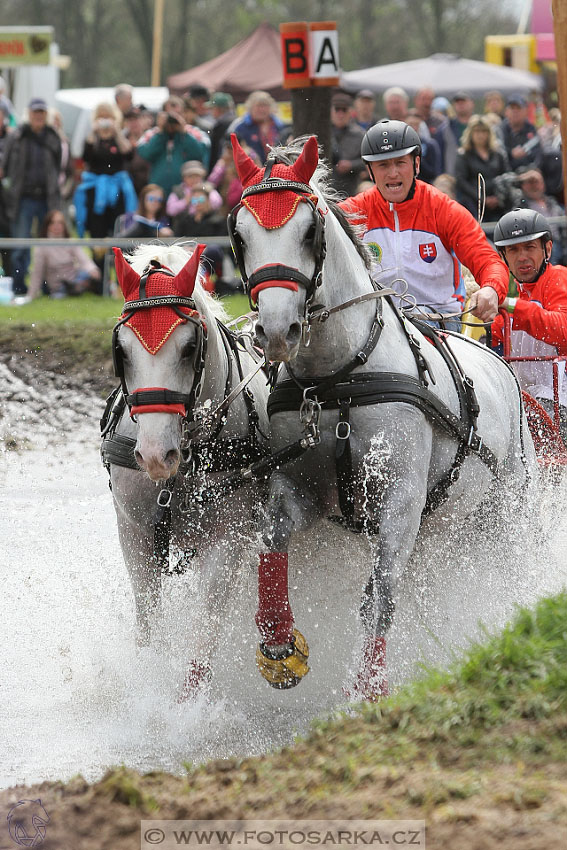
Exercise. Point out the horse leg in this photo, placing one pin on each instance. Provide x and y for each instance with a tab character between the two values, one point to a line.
399	527
283	652
218	574
145	576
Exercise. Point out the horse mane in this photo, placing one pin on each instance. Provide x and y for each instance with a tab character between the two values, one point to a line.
321	184
174	257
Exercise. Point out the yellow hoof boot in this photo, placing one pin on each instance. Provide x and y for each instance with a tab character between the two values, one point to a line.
287	667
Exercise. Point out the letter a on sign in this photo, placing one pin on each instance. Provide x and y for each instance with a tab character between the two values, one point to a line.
295	54
324	53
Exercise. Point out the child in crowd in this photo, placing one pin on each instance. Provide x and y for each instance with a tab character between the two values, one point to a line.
149	220
179	200
64	270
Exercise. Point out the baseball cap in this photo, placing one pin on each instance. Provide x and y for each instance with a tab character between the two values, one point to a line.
220	98
193	166
341	99
366	93
37	104
440	103
517	99
461	95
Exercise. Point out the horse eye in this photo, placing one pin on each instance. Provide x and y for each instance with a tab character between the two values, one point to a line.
310	235
188	350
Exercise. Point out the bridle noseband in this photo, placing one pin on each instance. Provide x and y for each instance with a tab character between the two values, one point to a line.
278	274
161	399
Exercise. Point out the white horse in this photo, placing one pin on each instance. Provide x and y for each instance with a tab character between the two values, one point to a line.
191	409
391	432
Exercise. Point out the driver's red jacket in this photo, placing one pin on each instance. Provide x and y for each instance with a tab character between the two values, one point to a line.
423	240
541	310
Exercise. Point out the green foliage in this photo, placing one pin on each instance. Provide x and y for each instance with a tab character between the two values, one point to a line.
518	675
112	42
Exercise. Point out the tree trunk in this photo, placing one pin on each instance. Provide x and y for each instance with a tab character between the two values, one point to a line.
312	115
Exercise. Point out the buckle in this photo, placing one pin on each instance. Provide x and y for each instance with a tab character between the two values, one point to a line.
346	426
474	442
164	498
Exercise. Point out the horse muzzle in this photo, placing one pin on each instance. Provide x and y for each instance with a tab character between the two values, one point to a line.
281	346
157	463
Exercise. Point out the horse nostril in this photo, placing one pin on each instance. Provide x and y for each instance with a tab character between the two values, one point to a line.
293	334
172	457
260	336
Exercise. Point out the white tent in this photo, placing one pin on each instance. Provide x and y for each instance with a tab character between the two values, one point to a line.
76	107
446	74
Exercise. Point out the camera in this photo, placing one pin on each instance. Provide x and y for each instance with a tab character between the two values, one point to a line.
105	123
172	122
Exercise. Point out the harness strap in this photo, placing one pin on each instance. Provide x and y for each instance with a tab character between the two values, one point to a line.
343	460
318	388
380	388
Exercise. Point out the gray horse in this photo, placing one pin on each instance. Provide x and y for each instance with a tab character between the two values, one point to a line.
192	408
395	428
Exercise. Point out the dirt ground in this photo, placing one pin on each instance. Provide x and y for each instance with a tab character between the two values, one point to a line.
508	806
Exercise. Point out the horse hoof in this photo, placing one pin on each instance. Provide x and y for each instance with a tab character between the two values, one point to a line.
284	668
195	682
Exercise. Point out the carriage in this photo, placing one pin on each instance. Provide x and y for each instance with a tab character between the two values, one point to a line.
550	449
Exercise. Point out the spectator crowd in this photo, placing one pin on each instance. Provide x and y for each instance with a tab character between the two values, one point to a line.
149	175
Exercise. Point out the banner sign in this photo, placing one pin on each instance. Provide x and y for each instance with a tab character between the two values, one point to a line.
25	46
310	54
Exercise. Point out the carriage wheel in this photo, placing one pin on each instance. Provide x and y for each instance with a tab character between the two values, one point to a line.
550	448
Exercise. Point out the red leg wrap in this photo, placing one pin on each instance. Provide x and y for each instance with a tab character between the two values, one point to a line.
274	617
371	682
198	675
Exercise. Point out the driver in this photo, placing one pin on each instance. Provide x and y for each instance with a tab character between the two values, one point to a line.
539	313
417	233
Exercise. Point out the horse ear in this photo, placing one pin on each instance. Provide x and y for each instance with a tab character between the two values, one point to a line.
185	279
306	162
128	279
245	166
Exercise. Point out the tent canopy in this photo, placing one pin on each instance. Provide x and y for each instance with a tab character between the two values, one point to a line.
254	63
446	74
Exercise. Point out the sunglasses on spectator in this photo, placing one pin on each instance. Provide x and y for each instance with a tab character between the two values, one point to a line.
340	108
154	198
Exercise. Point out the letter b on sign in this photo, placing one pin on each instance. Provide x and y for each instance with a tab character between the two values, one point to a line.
295	54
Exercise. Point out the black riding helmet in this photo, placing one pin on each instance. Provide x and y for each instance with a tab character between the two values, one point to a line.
521	225
388	139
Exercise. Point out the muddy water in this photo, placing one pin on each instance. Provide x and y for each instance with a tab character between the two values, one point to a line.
76	696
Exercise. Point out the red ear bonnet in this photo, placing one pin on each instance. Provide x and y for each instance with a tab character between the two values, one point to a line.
154	325
274	208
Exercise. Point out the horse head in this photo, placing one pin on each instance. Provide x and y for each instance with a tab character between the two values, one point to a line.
159	347
277	234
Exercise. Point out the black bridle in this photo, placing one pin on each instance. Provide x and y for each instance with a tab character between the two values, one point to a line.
263	277
161	396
